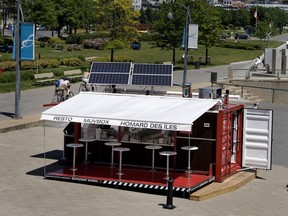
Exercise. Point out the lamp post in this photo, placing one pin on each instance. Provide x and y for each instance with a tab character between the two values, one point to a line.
186	87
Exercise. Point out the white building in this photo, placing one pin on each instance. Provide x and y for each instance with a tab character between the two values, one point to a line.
137	5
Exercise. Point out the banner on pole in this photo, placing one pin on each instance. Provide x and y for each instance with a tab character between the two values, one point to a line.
183	38
27	49
193	36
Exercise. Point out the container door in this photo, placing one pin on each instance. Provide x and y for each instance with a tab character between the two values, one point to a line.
257	138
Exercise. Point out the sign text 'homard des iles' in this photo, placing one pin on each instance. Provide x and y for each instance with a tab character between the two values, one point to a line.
122	123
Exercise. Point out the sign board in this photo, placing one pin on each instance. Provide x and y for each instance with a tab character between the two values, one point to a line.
193	36
27	35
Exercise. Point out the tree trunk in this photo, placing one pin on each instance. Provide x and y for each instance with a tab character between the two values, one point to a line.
112	55
173	60
206	57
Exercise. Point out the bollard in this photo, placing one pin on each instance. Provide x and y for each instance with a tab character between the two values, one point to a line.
169	202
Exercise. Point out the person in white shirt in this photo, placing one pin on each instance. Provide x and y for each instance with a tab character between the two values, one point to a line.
63	85
257	61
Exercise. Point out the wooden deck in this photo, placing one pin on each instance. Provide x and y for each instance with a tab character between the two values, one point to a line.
230	184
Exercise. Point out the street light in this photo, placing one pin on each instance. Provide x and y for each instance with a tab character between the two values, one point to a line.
186	87
17	53
18	59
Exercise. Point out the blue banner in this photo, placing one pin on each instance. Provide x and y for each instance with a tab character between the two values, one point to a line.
183	38
27	33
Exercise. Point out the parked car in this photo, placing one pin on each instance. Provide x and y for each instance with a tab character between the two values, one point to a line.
6	48
136	45
241	36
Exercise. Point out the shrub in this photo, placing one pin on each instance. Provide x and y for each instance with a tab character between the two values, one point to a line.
97	43
59	46
8	65
7	77
79	38
48	63
71	62
44	39
146	36
239	45
54	40
74	47
75	39
116	59
82	58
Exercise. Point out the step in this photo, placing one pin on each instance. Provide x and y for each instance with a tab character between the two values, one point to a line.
230	184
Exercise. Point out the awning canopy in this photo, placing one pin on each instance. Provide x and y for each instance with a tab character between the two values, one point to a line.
138	111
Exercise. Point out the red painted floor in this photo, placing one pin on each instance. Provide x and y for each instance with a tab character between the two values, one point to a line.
133	175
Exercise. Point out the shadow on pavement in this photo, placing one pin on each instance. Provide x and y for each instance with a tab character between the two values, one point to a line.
49	168
54	154
10	115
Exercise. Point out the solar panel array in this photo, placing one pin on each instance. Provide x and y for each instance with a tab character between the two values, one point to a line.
116	73
110	73
152	74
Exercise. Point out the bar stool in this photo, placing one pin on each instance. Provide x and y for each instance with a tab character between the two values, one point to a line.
167	154
112	144
86	140
189	149
74	146
120	150
153	148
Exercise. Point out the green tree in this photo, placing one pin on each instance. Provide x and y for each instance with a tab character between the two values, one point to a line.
278	18
263	28
209	23
168	32
8	9
168	28
117	17
225	16
240	18
40	12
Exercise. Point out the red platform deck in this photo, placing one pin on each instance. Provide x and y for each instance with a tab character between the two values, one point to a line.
139	179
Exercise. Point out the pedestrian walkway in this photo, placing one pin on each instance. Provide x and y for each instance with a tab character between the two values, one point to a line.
22	123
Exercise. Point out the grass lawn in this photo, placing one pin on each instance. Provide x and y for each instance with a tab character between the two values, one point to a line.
147	54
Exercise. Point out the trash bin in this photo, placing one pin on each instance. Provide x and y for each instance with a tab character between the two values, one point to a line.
197	65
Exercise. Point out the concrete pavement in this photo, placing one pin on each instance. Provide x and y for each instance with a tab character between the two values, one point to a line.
24	191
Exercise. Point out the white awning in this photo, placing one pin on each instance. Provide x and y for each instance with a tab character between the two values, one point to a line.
138	111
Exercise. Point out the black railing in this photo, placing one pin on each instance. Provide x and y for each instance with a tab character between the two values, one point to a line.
251	86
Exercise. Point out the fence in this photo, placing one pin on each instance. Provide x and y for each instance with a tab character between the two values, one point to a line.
274	90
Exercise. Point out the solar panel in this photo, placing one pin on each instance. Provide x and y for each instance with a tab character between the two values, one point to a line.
151	80
109	79
110	67
110	73
152	69
152	74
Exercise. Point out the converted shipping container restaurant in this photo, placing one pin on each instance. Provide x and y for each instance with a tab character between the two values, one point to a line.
228	138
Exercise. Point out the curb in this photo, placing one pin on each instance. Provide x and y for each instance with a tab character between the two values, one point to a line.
22	123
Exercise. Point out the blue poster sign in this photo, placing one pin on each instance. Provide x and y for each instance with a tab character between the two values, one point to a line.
27	33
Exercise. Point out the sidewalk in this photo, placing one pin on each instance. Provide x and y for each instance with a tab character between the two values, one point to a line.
25	192
19	124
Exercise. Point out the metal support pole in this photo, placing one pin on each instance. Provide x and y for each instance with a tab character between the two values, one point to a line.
17	54
169	201
186	49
